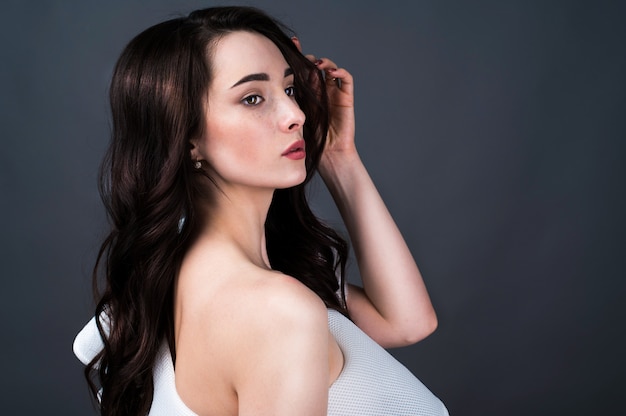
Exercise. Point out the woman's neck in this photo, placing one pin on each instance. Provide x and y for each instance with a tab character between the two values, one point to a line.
237	217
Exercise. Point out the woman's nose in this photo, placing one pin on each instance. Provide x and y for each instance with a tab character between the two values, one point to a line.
292	117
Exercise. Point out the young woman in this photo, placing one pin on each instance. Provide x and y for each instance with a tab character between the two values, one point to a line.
215	266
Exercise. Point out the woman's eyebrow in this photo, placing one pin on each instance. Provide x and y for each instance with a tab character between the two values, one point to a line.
262	76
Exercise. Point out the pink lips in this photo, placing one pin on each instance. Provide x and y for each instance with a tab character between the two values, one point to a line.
296	151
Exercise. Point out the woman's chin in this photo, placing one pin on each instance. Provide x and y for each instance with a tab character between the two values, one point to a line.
291	181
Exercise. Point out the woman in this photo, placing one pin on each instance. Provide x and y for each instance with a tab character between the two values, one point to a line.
215	265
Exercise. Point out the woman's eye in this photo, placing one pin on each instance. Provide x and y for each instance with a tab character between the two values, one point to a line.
290	91
252	100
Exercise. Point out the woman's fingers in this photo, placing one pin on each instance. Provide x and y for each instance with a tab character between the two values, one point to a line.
334	76
311	58
339	75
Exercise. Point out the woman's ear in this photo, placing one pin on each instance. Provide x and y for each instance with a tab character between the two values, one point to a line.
194	151
296	41
194	154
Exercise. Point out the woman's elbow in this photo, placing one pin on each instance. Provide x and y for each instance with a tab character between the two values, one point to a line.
420	330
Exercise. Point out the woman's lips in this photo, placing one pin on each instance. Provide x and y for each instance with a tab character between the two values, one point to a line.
296	151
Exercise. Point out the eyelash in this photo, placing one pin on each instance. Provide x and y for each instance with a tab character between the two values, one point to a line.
255	99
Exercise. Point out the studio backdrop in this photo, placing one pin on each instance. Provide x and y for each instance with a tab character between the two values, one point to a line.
495	131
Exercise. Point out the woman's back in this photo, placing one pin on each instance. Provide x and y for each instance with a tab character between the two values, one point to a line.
274	343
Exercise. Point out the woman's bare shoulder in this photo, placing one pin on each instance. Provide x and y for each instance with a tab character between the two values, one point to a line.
273	309
255	324
273	298
283	350
251	301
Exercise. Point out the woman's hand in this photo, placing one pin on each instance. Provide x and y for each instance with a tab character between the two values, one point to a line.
340	88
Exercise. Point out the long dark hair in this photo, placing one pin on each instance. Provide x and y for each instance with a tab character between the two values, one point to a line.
149	187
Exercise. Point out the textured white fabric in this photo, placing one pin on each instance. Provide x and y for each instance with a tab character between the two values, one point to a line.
371	383
88	343
166	401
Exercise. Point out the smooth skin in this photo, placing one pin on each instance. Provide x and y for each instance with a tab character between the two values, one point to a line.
250	340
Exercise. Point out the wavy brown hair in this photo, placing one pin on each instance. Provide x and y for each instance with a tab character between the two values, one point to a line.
149	187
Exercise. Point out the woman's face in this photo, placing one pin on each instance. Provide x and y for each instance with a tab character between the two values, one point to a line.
253	133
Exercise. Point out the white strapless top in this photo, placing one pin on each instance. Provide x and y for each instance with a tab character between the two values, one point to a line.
372	382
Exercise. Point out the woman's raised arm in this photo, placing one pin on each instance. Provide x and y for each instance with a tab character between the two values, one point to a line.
393	307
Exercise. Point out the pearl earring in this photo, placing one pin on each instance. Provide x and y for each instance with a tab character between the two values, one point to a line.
197	165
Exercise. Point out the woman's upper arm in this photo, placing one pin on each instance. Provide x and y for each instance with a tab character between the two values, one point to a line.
284	366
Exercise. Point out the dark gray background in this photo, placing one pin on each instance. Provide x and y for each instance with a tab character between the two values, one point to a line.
495	131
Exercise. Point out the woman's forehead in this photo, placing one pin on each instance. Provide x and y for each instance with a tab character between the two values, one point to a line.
241	53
